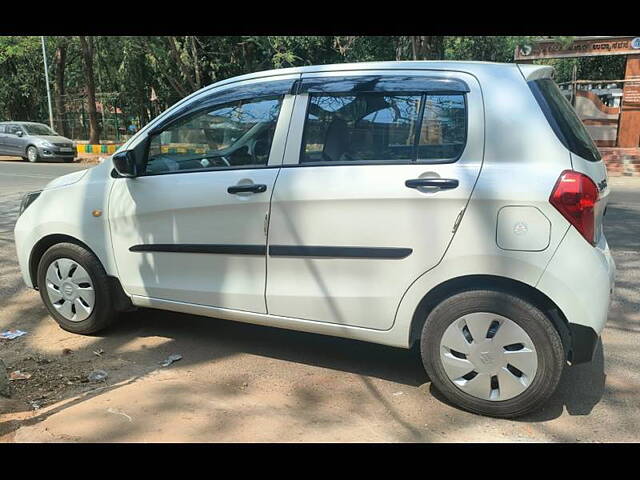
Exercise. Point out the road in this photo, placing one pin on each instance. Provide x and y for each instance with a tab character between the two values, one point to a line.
239	382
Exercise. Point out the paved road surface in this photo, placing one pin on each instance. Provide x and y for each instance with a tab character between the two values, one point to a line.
240	382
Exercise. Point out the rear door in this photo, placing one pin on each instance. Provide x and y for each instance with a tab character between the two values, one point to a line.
378	168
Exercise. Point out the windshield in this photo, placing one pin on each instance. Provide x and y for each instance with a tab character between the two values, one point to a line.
563	119
38	129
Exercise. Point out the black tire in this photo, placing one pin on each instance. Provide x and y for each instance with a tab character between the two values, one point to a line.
103	312
543	334
36	157
67	160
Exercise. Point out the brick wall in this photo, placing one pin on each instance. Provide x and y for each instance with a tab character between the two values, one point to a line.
621	161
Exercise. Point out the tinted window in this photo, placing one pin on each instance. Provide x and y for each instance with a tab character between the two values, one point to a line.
13	129
444	127
1	128
379	127
563	119
232	135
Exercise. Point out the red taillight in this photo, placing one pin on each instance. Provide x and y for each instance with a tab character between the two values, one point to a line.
575	196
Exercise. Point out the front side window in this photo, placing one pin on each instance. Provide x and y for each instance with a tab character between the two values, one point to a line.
232	135
383	127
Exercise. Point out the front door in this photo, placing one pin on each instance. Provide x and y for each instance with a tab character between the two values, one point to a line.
192	228
378	168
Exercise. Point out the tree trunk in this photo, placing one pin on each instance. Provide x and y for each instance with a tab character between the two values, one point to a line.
182	92
428	47
59	61
420	47
173	47
196	62
86	44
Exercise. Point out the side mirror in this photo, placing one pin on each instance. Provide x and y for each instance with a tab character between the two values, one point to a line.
125	164
19	133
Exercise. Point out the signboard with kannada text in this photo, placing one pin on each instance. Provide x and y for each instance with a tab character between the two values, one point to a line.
580	47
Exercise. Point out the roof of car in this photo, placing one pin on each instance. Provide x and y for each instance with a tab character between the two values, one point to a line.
387	65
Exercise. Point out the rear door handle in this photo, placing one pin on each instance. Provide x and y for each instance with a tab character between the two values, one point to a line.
441	183
250	188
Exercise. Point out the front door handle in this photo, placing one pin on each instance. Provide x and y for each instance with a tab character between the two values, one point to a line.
441	183
250	188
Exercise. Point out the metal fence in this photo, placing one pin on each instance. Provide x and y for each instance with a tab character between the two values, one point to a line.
115	124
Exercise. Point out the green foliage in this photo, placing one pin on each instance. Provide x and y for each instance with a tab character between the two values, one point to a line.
490	49
22	90
145	75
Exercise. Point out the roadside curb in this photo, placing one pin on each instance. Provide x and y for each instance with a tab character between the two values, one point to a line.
93	148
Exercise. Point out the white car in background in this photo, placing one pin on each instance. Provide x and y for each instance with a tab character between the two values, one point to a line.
452	206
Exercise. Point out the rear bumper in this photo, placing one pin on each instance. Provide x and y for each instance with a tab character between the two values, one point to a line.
580	280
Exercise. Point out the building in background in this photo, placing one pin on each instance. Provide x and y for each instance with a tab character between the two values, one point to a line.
610	109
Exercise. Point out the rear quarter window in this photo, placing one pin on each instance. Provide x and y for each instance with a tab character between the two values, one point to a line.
563	119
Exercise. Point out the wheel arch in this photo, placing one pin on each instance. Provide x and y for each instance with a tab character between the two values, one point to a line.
43	245
122	301
489	282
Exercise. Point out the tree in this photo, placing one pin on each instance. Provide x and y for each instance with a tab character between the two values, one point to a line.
86	44
420	47
59	63
86	69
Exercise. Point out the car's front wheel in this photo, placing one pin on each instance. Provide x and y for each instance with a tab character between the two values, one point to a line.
75	289
492	353
32	154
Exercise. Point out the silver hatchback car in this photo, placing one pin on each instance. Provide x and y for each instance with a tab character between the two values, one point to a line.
34	142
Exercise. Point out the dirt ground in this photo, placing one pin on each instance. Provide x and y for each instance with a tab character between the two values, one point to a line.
245	383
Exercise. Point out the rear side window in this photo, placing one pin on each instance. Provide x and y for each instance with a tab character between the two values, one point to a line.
563	119
384	127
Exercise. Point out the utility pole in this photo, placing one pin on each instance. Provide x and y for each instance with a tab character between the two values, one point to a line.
46	76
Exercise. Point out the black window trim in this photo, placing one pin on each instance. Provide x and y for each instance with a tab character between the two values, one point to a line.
381	84
414	160
279	88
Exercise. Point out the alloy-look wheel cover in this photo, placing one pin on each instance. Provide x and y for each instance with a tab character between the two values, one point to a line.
32	154
488	356
70	289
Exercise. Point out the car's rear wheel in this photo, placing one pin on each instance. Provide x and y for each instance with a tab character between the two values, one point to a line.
75	289
32	154
492	353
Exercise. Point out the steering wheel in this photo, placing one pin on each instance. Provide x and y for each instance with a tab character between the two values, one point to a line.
208	161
